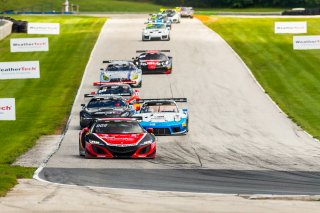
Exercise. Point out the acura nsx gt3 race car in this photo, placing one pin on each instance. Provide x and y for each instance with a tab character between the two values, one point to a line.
154	61
116	138
118	89
173	15
156	31
104	107
120	71
163	116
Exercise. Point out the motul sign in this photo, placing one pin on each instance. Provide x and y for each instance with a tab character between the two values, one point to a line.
7	109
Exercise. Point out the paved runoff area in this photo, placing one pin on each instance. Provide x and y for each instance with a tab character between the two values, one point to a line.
239	141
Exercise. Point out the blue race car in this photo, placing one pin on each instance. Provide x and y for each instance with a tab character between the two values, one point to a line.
163	116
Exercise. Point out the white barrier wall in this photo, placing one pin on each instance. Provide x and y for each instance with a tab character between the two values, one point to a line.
5	29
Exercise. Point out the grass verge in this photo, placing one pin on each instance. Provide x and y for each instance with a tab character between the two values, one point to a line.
43	105
290	77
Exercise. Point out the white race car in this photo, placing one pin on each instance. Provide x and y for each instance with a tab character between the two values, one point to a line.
121	72
173	15
186	11
156	31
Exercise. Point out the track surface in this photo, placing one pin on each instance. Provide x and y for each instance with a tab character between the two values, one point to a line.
239	142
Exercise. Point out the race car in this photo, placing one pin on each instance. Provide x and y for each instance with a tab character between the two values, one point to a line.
186	11
118	89
173	15
154	61
104	107
121	72
156	31
116	138
159	19
164	116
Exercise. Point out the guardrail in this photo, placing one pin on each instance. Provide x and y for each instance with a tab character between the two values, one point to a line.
5	29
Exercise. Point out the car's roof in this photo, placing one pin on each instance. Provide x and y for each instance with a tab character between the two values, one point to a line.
108	97
115	84
117	119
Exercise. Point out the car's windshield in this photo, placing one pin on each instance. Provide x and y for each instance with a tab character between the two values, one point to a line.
153	56
120	67
124	90
170	13
154	107
156	26
118	127
108	103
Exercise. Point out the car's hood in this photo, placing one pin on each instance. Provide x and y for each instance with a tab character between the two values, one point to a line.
105	111
121	139
158	117
118	74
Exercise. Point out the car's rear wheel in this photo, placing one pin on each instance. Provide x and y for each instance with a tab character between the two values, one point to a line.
83	144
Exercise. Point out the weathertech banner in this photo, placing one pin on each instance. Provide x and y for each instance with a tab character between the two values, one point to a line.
290	27
306	42
7	109
19	69
29	44
43	28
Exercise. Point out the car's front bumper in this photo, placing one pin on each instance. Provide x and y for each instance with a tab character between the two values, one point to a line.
98	151
167	128
150	37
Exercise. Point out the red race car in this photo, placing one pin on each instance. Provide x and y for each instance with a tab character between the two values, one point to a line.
153	62
117	138
119	89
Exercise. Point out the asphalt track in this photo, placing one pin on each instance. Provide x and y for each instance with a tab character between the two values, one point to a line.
239	142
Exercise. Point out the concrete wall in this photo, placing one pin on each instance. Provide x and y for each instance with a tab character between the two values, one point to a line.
5	29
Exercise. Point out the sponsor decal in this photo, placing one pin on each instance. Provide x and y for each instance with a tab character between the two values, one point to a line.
306	42
290	27
7	109
29	44
43	28
19	70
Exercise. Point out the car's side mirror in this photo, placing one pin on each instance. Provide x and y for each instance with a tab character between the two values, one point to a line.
83	105
86	129
136	90
102	69
170	57
137	107
150	130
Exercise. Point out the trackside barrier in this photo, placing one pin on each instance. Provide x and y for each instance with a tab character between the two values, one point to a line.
5	29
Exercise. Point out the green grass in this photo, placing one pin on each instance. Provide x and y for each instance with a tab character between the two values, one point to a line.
291	77
215	11
43	105
85	5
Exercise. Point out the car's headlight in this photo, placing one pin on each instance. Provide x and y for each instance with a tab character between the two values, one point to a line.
105	77
177	118
147	142
134	76
94	142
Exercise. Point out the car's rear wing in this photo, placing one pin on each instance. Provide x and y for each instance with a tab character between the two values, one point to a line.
110	61
163	99
98	83
145	51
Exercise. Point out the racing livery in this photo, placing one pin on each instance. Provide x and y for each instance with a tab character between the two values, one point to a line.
104	107
120	71
159	18
118	89
154	62
164	116
173	15
156	31
116	138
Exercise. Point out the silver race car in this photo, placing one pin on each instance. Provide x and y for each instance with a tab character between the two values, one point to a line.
186	11
120	71
156	31
173	15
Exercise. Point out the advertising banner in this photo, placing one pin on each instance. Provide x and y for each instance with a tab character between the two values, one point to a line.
290	27
43	28
306	42
19	69
7	109
29	44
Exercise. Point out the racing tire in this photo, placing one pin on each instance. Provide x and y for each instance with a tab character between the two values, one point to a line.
139	85
168	38
81	152
187	128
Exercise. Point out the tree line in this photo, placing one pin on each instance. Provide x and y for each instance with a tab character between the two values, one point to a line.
240	3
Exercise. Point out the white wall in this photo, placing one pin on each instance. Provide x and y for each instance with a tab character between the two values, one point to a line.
5	29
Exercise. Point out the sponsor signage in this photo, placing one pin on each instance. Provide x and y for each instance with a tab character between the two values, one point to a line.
306	42
290	27
19	69
29	44
43	28
7	109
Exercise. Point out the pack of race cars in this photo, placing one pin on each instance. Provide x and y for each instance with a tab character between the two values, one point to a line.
116	122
